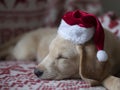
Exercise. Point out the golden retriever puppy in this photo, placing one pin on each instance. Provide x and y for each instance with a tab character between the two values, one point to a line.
60	59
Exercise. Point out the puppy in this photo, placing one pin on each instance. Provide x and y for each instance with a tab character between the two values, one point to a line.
60	59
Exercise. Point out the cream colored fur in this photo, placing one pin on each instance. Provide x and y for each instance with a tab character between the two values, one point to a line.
60	58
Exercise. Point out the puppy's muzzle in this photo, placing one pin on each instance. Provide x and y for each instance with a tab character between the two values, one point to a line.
38	72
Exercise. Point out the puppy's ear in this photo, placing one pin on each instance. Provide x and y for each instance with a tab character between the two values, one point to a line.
90	69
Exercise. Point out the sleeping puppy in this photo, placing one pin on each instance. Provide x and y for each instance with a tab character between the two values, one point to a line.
75	51
60	58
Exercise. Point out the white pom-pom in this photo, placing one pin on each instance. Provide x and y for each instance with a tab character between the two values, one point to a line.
102	56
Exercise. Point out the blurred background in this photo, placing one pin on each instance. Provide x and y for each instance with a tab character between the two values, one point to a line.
111	5
20	16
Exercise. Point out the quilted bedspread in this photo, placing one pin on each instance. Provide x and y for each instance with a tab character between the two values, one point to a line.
16	75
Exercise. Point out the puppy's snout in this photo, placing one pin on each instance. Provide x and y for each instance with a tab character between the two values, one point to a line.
38	72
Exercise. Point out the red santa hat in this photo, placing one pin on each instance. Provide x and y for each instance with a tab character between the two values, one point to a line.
79	27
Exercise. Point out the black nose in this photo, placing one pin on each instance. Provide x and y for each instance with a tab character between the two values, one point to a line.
37	72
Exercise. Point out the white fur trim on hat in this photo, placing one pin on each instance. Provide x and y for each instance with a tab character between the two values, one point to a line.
102	56
75	33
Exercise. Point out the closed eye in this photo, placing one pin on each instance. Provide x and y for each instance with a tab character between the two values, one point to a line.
61	57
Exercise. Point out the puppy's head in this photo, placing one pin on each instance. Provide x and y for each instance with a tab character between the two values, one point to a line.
68	60
61	62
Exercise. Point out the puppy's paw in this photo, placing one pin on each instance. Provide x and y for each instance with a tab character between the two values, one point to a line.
112	83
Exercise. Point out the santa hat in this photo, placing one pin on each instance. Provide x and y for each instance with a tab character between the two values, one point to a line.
79	27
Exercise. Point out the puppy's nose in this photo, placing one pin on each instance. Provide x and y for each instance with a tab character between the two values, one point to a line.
38	72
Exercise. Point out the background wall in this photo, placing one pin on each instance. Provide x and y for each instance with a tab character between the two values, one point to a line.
113	5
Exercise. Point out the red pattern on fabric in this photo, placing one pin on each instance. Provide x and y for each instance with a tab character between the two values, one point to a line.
113	24
16	75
